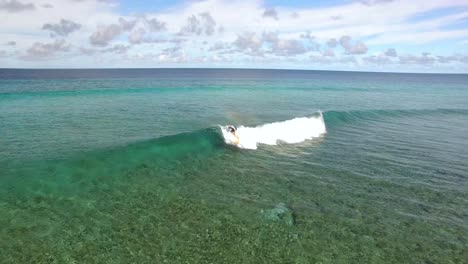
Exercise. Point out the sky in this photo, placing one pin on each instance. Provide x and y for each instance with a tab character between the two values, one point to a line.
357	35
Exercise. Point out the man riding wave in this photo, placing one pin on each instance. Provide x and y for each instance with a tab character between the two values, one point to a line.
233	130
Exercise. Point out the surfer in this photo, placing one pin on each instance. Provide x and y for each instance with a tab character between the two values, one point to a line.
232	129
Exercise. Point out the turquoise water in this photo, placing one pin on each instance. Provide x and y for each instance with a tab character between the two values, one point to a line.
130	166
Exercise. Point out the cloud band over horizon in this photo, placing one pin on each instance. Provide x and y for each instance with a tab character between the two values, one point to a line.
367	35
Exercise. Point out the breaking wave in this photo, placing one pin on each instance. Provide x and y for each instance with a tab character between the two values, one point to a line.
290	131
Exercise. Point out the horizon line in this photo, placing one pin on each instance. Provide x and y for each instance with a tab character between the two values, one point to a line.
240	68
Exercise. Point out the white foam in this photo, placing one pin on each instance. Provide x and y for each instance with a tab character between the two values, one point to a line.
291	131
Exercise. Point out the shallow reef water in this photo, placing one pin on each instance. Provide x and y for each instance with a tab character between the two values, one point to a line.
131	167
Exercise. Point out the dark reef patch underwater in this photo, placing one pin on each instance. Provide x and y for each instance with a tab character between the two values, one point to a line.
142	175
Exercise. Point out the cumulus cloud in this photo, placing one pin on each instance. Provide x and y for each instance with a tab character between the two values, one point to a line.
307	36
172	50
141	35
270	43
140	56
127	25
424	59
332	43
350	48
320	59
379	60
463	59
137	36
220	32
391	53
155	25
63	28
358	48
203	24
288	47
345	42
105	34
14	6
209	23
249	42
116	49
41	50
328	53
271	37
218	46
447	59
454	58
173	54
270	12
87	51
193	25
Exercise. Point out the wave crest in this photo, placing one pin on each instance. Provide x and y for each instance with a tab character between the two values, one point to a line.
291	131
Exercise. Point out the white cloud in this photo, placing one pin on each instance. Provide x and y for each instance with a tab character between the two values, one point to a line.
377	59
423	59
350	48
15	6
328	53
63	28
209	29
155	25
391	53
41	50
332	43
137	36
202	24
105	34
322	59
270	12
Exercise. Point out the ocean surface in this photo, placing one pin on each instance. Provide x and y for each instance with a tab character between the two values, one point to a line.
132	166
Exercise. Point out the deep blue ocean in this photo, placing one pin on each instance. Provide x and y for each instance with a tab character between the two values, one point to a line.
131	166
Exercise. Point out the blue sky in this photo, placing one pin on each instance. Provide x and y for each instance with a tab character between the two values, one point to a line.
129	6
361	35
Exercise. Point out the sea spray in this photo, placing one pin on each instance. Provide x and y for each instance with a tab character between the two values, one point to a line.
290	131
